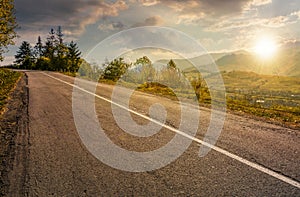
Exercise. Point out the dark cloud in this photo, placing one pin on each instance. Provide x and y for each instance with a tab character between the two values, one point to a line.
207	7
74	15
221	7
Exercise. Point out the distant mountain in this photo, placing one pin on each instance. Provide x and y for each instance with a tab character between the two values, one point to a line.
286	62
201	61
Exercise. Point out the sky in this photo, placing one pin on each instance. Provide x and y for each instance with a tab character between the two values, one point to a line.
217	25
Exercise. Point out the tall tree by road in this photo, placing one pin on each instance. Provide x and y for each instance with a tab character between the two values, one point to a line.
7	25
24	56
73	57
41	63
38	48
50	45
59	35
50	51
61	50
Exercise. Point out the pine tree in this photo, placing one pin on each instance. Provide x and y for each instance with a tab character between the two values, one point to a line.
50	50
51	37
171	64
24	57
41	62
50	45
62	50
73	57
59	35
38	48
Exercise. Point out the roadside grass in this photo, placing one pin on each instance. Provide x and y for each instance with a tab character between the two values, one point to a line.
8	81
71	74
286	115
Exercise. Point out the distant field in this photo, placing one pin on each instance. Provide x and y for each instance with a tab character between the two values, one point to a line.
8	80
274	97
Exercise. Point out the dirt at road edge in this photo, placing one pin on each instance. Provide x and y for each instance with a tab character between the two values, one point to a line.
14	143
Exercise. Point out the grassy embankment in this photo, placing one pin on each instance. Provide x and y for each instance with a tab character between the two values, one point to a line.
8	81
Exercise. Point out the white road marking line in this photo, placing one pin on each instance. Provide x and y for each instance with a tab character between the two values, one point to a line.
220	150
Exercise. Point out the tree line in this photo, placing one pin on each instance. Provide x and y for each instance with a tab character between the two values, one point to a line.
53	55
139	72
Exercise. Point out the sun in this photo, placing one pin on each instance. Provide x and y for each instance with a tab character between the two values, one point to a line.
265	48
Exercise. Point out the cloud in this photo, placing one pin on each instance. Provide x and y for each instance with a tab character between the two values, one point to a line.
73	15
151	21
260	2
279	21
219	6
111	26
227	20
198	11
208	7
296	14
147	2
256	22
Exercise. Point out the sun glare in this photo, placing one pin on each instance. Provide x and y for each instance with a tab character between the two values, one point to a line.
265	48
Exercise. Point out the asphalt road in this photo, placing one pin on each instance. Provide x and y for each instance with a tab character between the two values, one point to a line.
251	157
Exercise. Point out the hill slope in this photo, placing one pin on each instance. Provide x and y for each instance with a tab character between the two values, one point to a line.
285	63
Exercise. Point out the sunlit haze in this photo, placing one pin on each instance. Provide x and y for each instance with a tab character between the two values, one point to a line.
266	47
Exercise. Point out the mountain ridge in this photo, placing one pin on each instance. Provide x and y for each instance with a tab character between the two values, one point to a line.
286	62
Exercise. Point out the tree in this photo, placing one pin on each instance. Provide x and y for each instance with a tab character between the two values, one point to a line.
171	65
143	72
59	35
50	45
7	25
89	71
54	55
143	60
172	76
198	86
61	51
38	48
73	57
115	69
52	37
41	62
24	56
50	50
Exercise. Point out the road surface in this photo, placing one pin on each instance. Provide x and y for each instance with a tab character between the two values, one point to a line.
252	157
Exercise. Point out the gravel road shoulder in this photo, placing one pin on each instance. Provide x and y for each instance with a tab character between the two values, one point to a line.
14	142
